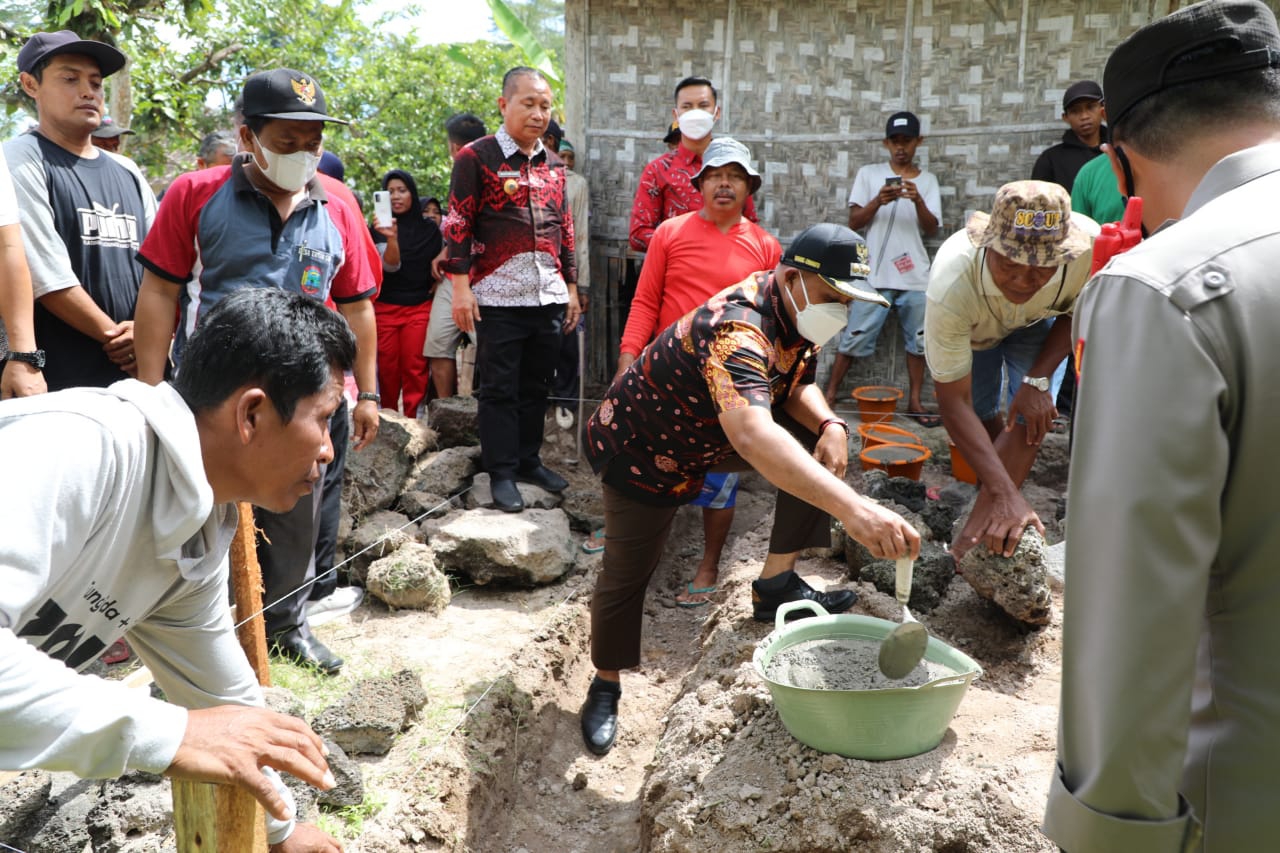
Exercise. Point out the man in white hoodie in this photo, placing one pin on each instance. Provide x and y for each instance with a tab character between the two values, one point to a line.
123	530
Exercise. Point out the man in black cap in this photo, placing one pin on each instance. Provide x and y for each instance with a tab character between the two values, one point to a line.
107	136
84	214
1083	112
1170	702
727	387
267	221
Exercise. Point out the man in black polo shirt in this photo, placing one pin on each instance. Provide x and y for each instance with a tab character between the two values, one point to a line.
84	213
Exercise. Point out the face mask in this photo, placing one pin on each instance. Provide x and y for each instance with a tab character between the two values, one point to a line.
289	172
818	323
696	124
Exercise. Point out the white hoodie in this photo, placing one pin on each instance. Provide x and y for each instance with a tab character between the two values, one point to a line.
110	530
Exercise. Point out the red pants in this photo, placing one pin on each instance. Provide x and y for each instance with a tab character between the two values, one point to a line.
402	329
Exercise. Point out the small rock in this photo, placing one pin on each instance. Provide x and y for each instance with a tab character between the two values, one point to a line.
408	579
367	720
579	781
748	793
380	534
455	420
349	790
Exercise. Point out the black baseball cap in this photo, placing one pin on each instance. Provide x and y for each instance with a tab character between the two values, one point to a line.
110	130
41	46
1081	90
553	130
1198	42
838	256
673	134
902	124
287	94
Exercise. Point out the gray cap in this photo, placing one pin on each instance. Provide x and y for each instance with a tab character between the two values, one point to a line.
110	130
724	150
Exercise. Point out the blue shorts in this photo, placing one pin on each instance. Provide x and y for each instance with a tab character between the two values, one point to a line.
866	319
719	491
1011	358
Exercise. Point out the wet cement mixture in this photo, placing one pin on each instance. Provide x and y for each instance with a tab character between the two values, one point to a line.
847	663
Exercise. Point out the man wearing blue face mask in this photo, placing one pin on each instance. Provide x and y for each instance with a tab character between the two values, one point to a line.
727	387
267	221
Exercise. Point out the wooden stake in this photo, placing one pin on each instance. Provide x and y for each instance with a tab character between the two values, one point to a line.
224	818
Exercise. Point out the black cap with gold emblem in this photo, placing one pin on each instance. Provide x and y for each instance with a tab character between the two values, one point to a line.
838	256
287	94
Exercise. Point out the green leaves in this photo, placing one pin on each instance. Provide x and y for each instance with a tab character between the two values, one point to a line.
536	55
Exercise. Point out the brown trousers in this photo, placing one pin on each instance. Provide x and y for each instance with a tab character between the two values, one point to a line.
635	535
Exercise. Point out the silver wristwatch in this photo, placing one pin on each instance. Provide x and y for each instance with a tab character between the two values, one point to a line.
1040	383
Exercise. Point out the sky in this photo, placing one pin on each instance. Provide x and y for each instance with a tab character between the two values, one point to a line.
440	21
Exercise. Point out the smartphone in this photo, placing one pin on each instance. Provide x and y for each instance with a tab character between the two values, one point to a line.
382	208
893	181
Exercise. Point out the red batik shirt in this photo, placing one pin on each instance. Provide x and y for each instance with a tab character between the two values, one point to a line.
657	431
666	191
509	225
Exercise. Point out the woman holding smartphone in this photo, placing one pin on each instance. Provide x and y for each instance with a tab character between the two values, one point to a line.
407	243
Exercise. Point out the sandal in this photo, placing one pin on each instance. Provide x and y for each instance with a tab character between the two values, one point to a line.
928	420
117	652
697	590
595	542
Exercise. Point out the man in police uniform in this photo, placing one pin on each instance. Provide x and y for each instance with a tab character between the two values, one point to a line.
1170	703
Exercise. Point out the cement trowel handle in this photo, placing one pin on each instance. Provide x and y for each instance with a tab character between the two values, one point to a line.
902	586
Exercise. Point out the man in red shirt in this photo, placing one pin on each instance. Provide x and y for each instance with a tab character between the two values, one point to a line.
691	258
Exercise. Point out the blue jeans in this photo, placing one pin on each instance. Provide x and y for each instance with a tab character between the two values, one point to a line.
866	319
1011	358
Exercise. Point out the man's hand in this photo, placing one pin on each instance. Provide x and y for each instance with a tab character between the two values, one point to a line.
1037	410
306	838
997	521
886	534
466	311
572	311
625	360
889	193
584	299
909	191
228	744
832	450
119	347
365	422
436	271
21	380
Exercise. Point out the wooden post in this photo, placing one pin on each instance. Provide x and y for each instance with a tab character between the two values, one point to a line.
224	818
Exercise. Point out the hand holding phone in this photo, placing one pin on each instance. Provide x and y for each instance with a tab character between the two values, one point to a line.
382	209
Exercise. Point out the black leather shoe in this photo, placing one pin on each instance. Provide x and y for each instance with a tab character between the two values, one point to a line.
544	478
600	715
302	647
766	604
506	496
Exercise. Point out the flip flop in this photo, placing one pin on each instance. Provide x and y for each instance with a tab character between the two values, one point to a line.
117	652
594	543
697	590
926	419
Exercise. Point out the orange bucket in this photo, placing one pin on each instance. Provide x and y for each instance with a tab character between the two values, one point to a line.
873	434
896	460
960	467
877	402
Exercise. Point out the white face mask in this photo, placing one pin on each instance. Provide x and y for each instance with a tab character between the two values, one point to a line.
818	323
289	172
696	124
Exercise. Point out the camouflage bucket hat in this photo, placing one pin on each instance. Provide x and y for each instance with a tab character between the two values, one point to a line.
1030	223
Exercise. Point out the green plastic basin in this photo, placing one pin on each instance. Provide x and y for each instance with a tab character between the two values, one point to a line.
876	725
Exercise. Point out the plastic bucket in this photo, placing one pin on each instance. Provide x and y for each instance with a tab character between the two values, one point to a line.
876	725
877	433
896	460
877	402
960	467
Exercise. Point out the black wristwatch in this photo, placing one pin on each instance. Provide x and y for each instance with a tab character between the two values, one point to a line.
34	358
368	395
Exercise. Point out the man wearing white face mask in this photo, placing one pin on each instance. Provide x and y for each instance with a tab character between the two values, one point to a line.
729	386
666	185
267	221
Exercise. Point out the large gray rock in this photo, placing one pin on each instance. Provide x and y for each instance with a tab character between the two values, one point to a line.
454	420
1018	584
349	790
954	499
21	798
134	810
930	577
375	475
420	505
901	490
481	494
367	720
62	826
585	508
446	472
526	549
381	534
408	579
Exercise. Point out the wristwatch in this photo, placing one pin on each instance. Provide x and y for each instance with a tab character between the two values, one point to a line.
34	358
368	395
1040	383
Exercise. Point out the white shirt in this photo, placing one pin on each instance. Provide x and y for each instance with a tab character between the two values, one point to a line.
898	257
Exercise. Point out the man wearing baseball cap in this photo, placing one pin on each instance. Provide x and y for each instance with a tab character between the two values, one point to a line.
994	292
729	386
107	136
1170	703
1083	111
84	213
267	221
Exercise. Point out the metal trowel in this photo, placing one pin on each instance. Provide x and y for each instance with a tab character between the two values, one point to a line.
904	648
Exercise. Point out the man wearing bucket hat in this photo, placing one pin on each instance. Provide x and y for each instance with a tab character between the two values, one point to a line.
994	292
1170	703
729	386
691	258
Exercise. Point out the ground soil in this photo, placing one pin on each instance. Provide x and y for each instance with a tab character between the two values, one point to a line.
702	763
